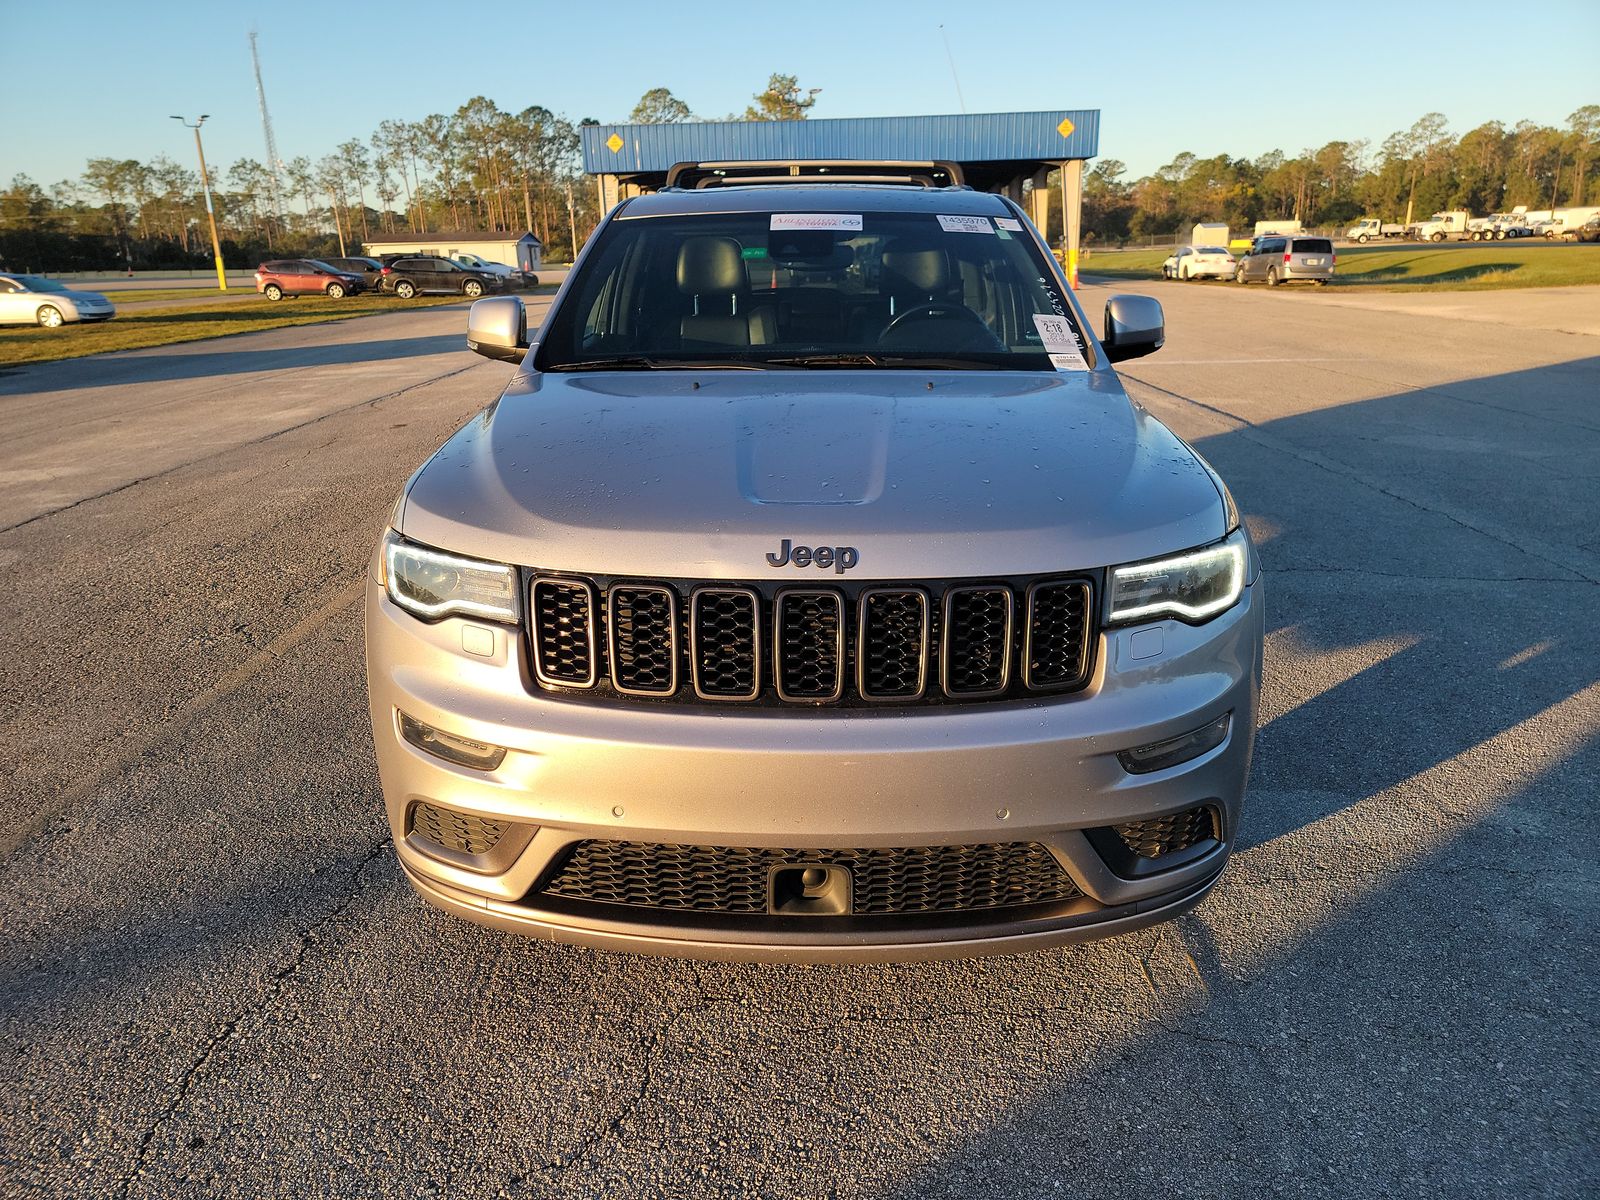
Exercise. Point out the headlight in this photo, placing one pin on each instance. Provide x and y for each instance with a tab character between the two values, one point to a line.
1192	586
432	584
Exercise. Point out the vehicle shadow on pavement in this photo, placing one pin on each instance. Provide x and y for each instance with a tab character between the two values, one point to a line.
169	364
1430	599
1385	995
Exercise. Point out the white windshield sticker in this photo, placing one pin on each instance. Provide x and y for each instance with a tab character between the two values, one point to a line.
1060	343
965	224
1010	223
847	221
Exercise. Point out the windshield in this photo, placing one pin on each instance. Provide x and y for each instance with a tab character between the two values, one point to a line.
37	283
1210	250
816	289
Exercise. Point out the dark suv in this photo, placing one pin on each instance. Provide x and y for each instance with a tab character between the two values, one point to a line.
408	277
369	269
305	277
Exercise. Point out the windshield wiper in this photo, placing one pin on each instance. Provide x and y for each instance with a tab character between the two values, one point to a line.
854	359
909	362
640	362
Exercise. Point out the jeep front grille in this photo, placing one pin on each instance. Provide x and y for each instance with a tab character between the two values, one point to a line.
884	881
854	645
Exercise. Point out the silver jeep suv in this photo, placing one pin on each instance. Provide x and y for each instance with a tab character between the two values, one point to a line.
814	591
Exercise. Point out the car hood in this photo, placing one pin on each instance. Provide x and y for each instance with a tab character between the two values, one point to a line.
85	297
677	474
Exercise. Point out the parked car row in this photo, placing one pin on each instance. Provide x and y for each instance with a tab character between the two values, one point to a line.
402	275
1271	259
35	300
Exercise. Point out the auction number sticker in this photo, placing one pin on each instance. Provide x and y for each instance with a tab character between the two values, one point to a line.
965	224
846	221
1060	343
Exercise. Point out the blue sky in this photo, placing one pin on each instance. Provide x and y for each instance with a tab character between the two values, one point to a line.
1164	80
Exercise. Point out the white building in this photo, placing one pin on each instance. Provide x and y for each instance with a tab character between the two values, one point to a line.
520	250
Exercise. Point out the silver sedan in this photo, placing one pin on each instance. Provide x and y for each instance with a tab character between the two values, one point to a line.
34	300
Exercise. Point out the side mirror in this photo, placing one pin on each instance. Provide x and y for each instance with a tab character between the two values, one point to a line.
498	328
1134	327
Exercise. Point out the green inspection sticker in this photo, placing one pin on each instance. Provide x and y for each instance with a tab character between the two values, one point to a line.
753	252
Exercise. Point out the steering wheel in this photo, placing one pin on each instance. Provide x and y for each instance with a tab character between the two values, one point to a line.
932	311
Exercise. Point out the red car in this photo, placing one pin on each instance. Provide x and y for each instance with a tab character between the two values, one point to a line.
304	277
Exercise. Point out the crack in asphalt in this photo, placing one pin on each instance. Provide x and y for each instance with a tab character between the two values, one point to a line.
275	988
607	1129
256	441
1255	433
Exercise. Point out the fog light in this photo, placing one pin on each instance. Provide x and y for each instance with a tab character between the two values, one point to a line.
453	748
1158	756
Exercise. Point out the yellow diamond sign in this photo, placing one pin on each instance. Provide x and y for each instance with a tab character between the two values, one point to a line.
1064	129
615	143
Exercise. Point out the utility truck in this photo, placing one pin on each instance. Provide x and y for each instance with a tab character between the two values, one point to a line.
1367	228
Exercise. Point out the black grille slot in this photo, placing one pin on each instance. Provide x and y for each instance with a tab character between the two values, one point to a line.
1056	653
462	832
641	625
725	643
885	881
563	632
977	641
808	654
892	646
1159	836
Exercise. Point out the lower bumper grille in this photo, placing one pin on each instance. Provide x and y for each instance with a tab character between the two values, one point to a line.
884	882
1160	836
462	832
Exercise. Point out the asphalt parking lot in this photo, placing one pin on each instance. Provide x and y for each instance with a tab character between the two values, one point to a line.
214	981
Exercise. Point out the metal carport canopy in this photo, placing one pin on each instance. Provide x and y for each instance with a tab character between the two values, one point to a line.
996	152
1001	146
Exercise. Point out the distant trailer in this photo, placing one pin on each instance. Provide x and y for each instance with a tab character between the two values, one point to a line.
522	251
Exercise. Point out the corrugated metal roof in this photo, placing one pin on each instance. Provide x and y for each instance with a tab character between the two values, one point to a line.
827	197
974	137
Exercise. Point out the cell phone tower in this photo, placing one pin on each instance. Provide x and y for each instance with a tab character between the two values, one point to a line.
273	162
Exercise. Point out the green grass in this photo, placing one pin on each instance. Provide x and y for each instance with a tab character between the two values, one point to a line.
1414	268
133	294
164	326
139	330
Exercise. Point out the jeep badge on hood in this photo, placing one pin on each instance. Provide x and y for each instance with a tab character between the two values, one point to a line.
840	558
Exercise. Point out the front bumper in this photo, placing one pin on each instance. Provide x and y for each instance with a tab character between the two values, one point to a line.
1042	772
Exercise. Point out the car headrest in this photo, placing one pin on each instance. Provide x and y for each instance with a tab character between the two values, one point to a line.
924	270
710	264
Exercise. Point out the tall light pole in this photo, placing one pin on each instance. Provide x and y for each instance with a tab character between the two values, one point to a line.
205	184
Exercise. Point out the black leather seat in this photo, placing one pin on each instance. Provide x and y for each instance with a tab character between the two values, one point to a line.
711	272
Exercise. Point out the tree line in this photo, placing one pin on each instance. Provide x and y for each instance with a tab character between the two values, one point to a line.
1410	175
478	167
